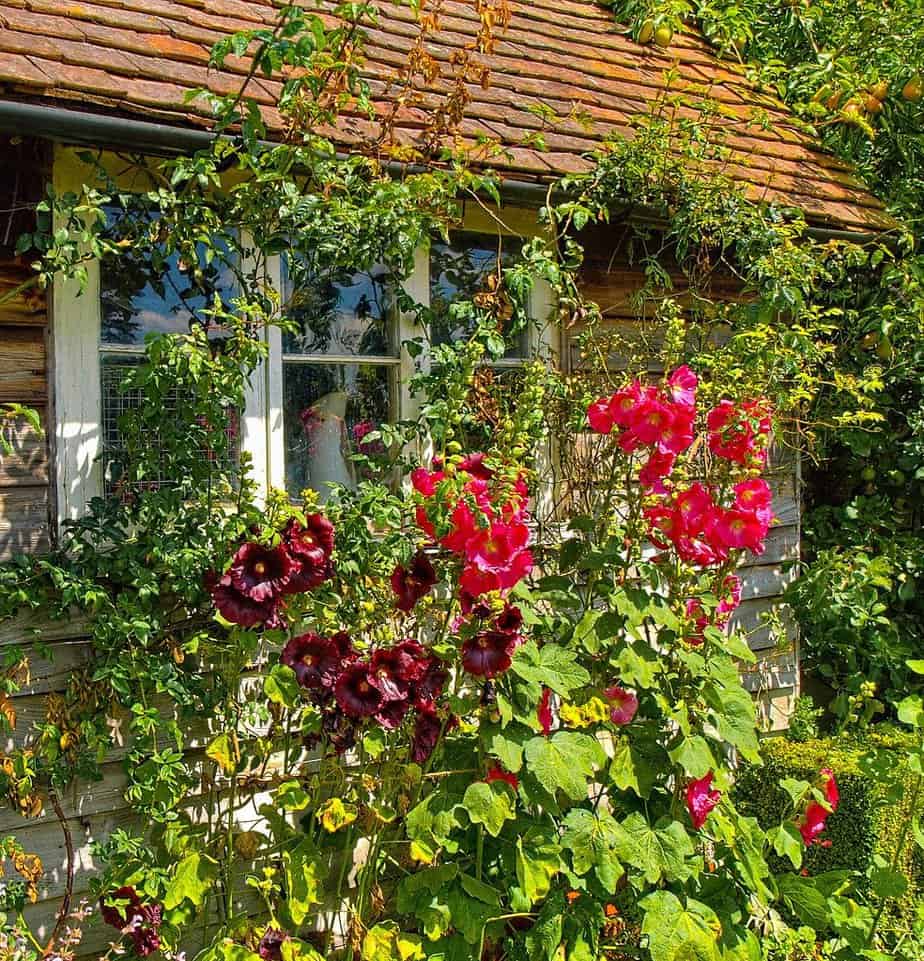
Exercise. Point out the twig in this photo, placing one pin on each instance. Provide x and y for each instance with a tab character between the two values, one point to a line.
65	909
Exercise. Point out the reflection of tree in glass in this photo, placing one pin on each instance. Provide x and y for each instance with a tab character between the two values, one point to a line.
338	312
458	271
143	289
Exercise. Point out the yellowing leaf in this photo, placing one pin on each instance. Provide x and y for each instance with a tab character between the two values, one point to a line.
224	752
335	815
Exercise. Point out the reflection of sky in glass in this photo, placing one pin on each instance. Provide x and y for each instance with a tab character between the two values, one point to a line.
349	315
132	307
458	271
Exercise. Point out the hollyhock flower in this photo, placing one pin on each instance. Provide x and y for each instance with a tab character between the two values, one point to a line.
494	548
356	691
701	799
694	550
600	416
695	612
623	403
313	541
261	572
117	917
392	672
731	598
665	524
413	582
270	947
829	786
497	773
140	921
465	526
425	481
755	496
544	711
489	653
624	704
694	505
431	682
650	419
392	714
657	467
681	387
243	610
476	582
510	620
732	433
676	436
474	465
423	521
427	730
737	529
316	660
813	822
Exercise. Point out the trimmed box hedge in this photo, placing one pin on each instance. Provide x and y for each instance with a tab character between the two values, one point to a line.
864	824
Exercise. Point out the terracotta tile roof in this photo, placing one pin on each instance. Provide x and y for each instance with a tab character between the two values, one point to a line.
139	57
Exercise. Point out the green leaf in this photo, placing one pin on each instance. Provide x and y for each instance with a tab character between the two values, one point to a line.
480	891
566	761
916	665
192	880
281	686
660	851
594	840
694	755
911	710
675	933
291	796
223	751
803	898
632	770
538	860
887	883
787	842
490	805
551	666
304	873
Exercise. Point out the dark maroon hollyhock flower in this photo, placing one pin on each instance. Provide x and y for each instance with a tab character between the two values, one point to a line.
356	693
316	660
509	621
392	714
240	609
473	606
412	583
313	541
489	653
427	731
432	681
475	466
261	572
270	946
391	672
117	917
344	645
141	921
307	576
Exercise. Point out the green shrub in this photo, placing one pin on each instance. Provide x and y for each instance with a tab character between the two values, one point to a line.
865	823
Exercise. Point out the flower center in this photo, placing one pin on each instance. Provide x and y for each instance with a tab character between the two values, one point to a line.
363	687
259	568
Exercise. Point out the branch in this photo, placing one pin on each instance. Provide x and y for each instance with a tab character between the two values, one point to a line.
65	909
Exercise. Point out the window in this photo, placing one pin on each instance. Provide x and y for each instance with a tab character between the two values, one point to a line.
340	371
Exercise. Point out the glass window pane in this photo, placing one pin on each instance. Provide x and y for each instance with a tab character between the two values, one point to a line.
458	271
329	408
339	312
139	297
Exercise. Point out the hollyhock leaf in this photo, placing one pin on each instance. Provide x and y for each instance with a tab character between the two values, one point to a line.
291	796
551	666
795	789
916	666
304	874
736	722
660	851
490	805
194	875
374	742
480	891
281	686
887	883
538	860
507	746
787	842
911	710
224	752
593	840
585	632
334	815
419	888
632	770
565	761
637	665
674	933
803	898
543	939
694	755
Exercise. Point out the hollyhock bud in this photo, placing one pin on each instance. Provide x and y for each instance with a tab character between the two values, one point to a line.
812	823
829	786
730	599
497	773
412	583
701	799
623	705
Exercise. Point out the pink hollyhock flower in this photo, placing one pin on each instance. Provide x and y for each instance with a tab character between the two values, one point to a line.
423	521
493	549
813	822
651	420
681	387
737	529
755	496
665	524
694	611
474	465
624	704
676	436
701	799
731	598
475	582
413	582
425	482
489	653
623	403
464	527
356	692
831	792
600	417
544	711
657	467
261	572
497	773
699	553
694	505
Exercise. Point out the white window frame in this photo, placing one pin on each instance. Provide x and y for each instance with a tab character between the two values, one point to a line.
75	358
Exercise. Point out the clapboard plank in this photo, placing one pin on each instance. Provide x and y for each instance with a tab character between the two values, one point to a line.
37	626
750	618
24	522
27	463
26	306
22	366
